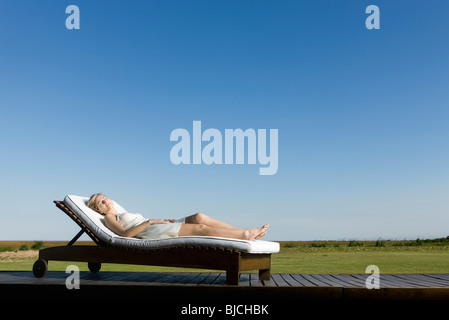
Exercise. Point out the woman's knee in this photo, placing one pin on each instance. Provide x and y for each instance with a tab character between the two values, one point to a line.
198	218
201	217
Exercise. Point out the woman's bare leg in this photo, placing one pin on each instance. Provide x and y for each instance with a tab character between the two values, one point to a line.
189	229
201	218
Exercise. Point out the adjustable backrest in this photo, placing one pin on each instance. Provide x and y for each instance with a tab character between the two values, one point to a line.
90	221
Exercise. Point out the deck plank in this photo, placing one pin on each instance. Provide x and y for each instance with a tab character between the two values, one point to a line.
385	281
220	279
420	280
302	280
254	280
290	280
244	279
210	278
279	281
407	281
321	280
314	281
269	283
347	281
443	276
438	277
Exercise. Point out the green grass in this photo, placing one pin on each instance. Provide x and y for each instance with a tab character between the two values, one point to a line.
418	256
426	259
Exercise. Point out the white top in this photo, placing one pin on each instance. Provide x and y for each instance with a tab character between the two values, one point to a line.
129	220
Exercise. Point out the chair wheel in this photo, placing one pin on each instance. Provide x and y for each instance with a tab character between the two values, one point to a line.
40	268
94	267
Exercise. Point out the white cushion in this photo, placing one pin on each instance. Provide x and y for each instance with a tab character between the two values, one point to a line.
95	222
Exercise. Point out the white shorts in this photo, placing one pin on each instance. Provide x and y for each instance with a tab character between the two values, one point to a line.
161	231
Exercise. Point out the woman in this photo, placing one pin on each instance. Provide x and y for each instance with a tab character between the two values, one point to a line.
134	225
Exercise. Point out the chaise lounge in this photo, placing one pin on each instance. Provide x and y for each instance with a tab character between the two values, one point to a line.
231	255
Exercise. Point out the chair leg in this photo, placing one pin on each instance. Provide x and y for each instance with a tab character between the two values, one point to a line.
264	274
232	277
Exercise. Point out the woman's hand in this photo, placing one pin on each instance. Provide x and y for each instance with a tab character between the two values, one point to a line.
160	221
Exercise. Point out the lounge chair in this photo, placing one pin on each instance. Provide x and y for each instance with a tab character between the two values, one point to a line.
214	253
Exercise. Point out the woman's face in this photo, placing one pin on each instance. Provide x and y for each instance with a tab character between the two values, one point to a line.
104	204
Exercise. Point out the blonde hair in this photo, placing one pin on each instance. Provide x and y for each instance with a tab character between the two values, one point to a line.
93	204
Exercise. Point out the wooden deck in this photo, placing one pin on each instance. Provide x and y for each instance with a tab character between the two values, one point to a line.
211	286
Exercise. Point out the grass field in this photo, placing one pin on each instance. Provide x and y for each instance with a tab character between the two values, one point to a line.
419	256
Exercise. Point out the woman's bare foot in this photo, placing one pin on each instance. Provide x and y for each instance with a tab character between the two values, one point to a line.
260	235
256	233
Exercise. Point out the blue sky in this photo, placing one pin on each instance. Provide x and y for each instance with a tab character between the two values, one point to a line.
362	114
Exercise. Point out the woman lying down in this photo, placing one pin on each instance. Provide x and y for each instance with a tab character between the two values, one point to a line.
135	225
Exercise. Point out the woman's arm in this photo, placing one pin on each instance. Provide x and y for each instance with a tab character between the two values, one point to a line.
112	223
